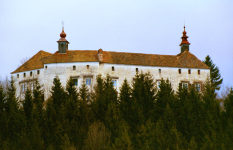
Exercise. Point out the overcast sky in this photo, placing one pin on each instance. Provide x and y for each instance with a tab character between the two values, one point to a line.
139	26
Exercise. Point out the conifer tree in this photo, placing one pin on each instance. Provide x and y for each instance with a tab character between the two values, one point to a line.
143	97
2	114
228	105
125	99
104	94
58	94
14	119
98	105
28	106
215	76
146	137
2	99
211	108
38	98
164	96
71	103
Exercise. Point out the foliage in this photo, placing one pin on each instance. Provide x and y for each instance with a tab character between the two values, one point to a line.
140	116
215	76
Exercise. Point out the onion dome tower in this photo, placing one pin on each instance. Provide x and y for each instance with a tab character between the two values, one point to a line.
62	42
184	45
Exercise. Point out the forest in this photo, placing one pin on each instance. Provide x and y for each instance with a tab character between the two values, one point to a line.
140	116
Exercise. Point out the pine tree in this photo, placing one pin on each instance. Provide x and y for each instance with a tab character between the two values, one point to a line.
2	114
146	137
14	119
28	106
71	103
215	76
98	105
58	94
2	99
38	100
143	97
104	94
228	105
211	108
164	96
125	100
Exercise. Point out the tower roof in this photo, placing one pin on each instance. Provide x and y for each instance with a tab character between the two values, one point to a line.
63	36
184	38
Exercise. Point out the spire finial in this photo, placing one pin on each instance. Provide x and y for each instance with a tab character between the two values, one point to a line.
184	38
63	34
62	26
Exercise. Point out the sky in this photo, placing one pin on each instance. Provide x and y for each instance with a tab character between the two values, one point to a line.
138	26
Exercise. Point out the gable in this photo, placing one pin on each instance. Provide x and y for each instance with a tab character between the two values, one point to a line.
36	62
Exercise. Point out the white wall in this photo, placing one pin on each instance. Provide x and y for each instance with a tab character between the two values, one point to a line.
65	70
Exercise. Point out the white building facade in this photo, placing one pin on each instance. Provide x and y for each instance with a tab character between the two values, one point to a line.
85	65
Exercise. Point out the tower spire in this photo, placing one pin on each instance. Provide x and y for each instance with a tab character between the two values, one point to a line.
62	42
184	43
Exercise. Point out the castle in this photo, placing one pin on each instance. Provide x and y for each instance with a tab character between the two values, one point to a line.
182	69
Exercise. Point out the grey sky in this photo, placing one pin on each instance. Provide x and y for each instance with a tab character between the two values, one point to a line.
140	26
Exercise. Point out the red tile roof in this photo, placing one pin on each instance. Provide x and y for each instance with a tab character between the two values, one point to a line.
183	60
36	62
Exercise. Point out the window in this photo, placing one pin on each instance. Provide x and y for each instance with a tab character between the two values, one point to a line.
137	70
158	84
17	75
46	67
75	81
198	72
24	74
113	69
22	87
38	71
88	66
189	71
185	85
198	86
25	87
114	81
74	67
179	70
88	81
31	84
159	70
30	73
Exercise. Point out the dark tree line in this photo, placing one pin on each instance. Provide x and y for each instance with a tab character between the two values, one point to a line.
140	116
